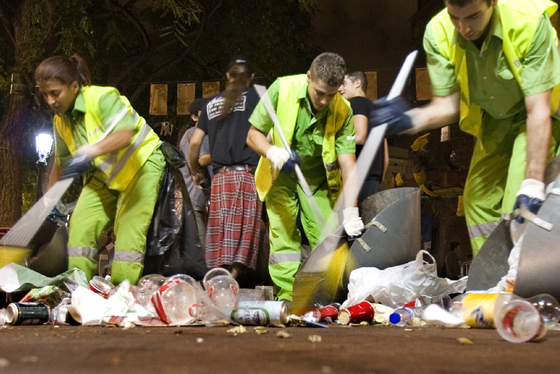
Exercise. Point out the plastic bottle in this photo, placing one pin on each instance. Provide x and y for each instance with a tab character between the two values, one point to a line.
222	290
404	316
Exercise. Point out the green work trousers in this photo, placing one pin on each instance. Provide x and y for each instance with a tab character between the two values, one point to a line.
495	175
283	202
131	213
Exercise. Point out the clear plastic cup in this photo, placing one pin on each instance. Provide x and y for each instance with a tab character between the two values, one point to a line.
268	292
147	285
519	321
177	302
222	290
548	308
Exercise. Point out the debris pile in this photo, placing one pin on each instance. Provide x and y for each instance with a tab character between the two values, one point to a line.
180	300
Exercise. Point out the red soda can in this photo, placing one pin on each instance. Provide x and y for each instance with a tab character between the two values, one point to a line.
356	313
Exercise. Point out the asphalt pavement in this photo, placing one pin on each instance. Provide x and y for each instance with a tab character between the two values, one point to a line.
336	349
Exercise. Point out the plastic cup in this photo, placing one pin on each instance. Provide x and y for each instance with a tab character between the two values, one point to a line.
177	302
222	290
268	292
147	285
519	321
356	313
250	294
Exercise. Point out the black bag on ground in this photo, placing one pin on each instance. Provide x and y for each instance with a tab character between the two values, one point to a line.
172	244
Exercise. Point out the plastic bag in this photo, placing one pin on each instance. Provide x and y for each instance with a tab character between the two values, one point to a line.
172	243
398	285
507	282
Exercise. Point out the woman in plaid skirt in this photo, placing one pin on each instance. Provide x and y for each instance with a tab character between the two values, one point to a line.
234	219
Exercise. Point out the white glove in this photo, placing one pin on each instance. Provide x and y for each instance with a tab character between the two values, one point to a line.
352	222
90	150
277	156
532	188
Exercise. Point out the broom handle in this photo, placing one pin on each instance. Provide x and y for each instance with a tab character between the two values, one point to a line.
319	216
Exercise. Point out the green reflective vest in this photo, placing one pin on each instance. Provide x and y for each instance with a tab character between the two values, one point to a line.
287	111
519	20
118	167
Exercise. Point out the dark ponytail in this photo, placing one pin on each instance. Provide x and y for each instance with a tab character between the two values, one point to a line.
66	70
240	77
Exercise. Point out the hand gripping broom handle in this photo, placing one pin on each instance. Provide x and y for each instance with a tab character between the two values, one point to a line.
376	136
320	218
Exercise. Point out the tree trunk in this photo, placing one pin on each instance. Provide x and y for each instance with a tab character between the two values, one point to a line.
12	129
11	140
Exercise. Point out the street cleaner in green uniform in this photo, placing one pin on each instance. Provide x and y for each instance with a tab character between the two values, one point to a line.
494	68
318	123
96	125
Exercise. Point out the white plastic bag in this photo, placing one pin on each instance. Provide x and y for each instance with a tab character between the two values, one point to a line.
398	285
507	282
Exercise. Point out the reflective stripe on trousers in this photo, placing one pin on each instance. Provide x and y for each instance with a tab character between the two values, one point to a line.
483	229
279	258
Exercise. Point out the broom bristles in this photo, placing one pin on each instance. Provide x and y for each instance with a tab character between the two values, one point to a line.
13	254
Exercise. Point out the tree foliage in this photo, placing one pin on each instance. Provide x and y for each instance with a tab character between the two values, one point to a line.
129	44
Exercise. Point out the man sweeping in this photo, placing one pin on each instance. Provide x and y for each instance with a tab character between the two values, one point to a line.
318	124
493	66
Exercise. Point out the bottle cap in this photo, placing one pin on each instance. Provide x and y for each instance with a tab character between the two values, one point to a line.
395	318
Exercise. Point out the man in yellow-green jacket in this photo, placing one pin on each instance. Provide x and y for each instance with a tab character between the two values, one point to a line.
494	67
318	124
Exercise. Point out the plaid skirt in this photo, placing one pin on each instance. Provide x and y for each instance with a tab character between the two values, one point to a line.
234	221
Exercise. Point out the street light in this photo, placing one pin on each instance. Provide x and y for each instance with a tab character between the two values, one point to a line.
43	146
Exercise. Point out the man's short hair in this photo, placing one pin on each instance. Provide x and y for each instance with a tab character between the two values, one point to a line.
462	3
357	74
329	68
454	245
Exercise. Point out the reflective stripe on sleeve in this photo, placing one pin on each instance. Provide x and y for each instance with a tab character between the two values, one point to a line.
82	252
129	257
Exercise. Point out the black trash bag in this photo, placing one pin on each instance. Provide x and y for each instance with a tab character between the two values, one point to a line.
173	155
173	246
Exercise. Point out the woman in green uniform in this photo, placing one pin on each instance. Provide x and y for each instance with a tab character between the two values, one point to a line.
100	126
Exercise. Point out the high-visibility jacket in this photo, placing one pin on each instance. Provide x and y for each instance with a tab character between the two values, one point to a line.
118	167
287	111
519	19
